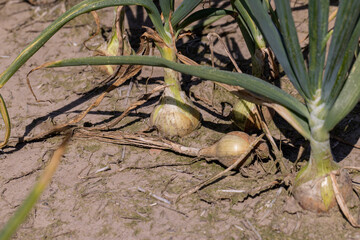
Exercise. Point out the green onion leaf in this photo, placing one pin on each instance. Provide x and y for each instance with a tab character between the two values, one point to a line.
342	48
318	27
275	40
183	10
246	81
203	14
347	99
291	43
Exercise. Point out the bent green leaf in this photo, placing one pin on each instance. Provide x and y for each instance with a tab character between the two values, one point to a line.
248	82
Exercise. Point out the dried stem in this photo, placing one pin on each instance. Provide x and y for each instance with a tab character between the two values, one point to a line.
341	201
137	140
277	152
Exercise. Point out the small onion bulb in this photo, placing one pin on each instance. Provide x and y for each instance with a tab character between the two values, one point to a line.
244	116
110	48
229	148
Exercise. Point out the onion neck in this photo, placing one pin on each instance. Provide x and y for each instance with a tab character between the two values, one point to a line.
171	77
321	160
321	156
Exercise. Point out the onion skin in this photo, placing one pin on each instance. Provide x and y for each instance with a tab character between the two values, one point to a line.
232	144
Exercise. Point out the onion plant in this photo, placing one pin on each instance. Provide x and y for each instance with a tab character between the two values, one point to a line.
176	115
329	84
330	89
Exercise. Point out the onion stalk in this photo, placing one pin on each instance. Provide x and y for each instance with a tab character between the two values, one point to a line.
109	48
313	187
118	42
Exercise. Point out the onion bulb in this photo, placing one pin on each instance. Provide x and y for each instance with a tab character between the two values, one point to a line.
314	192
176	115
109	48
230	147
244	116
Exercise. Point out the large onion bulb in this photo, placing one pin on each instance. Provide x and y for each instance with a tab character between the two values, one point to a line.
173	117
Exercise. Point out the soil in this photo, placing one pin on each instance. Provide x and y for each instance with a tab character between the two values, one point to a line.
135	197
